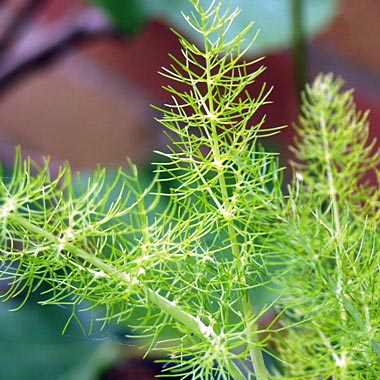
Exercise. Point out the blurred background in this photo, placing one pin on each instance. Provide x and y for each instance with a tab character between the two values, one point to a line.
76	82
77	78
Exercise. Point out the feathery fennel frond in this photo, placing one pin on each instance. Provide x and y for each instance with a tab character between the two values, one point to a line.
332	243
182	265
335	155
190	268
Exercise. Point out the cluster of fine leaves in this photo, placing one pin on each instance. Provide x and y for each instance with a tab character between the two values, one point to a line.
185	276
190	268
330	242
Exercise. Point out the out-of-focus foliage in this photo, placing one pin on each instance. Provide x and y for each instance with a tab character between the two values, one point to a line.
32	346
128	15
272	17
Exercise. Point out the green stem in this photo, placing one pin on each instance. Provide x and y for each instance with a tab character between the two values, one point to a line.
247	308
334	201
193	324
255	352
337	228
256	355
299	45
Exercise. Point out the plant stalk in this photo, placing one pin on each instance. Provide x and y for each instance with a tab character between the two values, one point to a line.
337	229
195	325
299	46
256	355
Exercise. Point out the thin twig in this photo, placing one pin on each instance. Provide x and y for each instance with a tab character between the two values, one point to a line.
299	45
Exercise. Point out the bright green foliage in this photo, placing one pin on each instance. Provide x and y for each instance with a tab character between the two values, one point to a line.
330	242
193	268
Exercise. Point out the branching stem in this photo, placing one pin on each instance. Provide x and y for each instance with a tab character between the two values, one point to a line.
193	324
337	227
255	352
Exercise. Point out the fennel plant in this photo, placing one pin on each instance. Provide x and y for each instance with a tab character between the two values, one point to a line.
185	277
